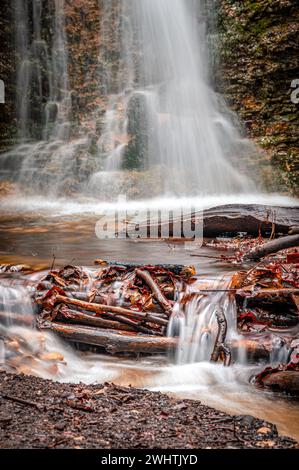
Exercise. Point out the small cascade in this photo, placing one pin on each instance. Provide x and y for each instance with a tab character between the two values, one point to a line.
195	323
15	302
16	311
25	349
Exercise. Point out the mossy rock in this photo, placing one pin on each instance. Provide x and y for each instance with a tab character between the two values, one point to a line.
136	153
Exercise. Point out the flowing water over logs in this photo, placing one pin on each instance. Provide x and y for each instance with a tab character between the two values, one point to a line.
130	309
201	328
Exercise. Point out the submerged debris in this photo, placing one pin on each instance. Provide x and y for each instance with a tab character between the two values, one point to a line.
116	297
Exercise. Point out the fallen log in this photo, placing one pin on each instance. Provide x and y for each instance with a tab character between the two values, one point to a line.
177	269
91	320
109	310
272	247
260	345
99	322
249	349
157	293
220	348
294	230
117	342
264	293
234	290
253	219
250	218
113	341
100	298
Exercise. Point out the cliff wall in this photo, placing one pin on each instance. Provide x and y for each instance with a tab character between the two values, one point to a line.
258	52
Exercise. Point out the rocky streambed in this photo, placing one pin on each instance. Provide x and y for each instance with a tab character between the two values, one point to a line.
37	413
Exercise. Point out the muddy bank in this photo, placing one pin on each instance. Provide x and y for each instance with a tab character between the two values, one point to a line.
37	413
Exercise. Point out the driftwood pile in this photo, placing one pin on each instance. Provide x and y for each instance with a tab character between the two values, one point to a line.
122	308
267	295
125	308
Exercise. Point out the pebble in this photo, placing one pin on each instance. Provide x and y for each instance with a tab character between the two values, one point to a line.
264	430
60	426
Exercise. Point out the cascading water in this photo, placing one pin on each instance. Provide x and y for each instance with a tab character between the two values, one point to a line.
24	349
173	119
29	351
41	68
45	156
162	117
14	299
187	136
195	322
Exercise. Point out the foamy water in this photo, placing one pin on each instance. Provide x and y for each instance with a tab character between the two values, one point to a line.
83	206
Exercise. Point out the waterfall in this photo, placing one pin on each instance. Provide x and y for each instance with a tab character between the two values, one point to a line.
59	96
174	122
188	137
162	121
24	72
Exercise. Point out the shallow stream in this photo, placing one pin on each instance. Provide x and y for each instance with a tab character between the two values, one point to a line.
35	233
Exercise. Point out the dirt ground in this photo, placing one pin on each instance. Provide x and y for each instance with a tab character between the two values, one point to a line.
37	413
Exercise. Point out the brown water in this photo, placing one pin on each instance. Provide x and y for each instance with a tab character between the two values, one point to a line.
34	239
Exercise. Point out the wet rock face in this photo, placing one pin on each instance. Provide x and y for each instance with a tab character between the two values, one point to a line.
82	20
96	67
283	382
259	63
